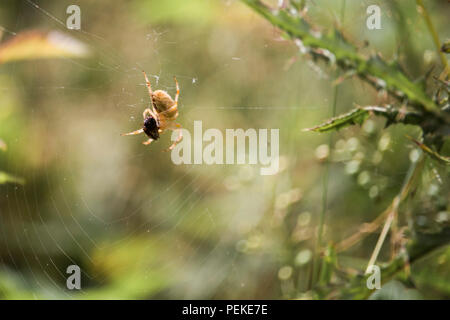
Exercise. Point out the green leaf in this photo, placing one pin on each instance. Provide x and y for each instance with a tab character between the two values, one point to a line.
360	114
395	290
356	116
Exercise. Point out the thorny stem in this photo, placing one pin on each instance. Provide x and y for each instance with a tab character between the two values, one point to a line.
434	35
337	50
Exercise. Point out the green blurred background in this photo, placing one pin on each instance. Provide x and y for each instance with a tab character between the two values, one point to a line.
141	227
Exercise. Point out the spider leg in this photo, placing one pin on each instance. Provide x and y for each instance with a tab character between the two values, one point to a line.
133	133
150	91
148	112
178	91
147	142
180	137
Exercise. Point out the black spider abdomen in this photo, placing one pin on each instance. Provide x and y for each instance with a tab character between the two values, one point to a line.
151	128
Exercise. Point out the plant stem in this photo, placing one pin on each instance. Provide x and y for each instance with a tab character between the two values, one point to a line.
323	212
319	241
434	35
413	172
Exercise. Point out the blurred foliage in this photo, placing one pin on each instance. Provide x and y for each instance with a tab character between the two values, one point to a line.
37	45
140	227
192	13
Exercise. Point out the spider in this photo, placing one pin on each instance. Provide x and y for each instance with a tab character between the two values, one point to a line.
161	116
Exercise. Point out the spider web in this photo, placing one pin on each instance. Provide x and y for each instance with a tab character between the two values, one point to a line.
120	210
45	236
